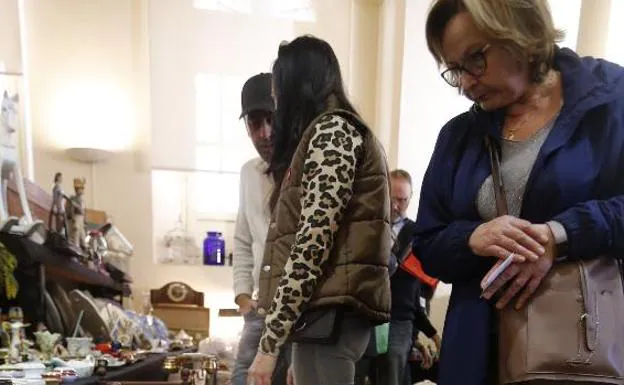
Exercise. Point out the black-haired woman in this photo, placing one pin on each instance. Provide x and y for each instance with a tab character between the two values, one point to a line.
325	263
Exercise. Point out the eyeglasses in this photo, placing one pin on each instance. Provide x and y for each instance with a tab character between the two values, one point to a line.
474	64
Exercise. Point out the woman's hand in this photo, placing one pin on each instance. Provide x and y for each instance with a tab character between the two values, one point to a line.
505	235
261	371
524	276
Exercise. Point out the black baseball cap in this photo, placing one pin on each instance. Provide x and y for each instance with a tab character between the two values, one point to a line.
256	94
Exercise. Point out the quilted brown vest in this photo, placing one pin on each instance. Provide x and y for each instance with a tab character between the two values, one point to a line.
357	276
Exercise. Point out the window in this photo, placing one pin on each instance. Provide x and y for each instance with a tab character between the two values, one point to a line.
222	145
222	142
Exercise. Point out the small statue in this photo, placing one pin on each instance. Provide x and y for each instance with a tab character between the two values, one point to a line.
58	218
77	217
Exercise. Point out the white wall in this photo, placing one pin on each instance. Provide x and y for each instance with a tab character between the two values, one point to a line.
10	49
566	15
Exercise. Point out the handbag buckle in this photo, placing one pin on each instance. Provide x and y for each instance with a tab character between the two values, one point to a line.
301	327
579	360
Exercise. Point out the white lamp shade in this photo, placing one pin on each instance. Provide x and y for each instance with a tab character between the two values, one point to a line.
89	155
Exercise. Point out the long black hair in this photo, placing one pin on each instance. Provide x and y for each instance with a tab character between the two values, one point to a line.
306	82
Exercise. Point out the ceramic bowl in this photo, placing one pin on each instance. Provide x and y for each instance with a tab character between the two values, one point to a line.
31	369
82	368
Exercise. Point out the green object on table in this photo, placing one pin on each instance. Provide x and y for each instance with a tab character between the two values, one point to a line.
381	337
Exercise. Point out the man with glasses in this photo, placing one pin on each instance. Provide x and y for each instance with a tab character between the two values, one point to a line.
252	224
408	317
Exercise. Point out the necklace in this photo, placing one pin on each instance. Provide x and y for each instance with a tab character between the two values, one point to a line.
539	101
511	132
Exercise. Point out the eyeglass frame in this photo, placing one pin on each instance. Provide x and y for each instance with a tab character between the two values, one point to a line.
473	57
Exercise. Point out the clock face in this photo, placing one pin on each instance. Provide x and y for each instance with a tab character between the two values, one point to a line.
177	292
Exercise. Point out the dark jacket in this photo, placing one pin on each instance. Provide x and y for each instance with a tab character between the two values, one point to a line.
576	180
406	289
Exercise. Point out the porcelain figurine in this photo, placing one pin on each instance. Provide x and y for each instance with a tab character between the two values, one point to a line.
58	217
78	211
46	341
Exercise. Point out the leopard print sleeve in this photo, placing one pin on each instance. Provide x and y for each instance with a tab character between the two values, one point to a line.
327	184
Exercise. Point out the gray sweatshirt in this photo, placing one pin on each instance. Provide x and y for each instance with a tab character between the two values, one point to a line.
252	225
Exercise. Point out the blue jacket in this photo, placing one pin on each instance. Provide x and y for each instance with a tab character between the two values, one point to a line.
577	180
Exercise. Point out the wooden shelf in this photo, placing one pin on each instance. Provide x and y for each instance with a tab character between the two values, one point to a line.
57	265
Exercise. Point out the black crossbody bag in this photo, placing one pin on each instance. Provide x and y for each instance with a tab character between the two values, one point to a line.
318	326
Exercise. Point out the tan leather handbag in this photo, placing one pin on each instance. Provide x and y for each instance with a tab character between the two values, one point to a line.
572	330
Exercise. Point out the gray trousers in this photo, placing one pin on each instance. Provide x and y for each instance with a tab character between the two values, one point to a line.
248	348
315	364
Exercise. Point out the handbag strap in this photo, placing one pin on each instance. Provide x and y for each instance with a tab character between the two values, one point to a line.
497	178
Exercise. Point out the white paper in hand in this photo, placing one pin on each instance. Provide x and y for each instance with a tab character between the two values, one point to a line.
496	270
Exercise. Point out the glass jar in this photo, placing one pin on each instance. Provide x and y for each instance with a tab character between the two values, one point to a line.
214	249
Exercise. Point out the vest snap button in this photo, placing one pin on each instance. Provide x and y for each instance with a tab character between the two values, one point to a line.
267	268
261	311
272	225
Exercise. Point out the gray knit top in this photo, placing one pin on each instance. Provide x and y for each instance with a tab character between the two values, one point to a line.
517	160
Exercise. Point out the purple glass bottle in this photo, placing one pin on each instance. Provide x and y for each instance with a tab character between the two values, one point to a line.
214	249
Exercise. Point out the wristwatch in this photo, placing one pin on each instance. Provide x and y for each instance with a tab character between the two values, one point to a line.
562	252
561	240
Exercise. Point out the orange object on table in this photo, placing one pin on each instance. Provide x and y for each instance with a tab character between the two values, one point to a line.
104	348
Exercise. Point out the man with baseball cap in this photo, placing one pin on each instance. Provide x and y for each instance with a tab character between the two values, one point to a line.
252	223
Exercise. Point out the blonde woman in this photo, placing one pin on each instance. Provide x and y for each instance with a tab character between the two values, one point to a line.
558	122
